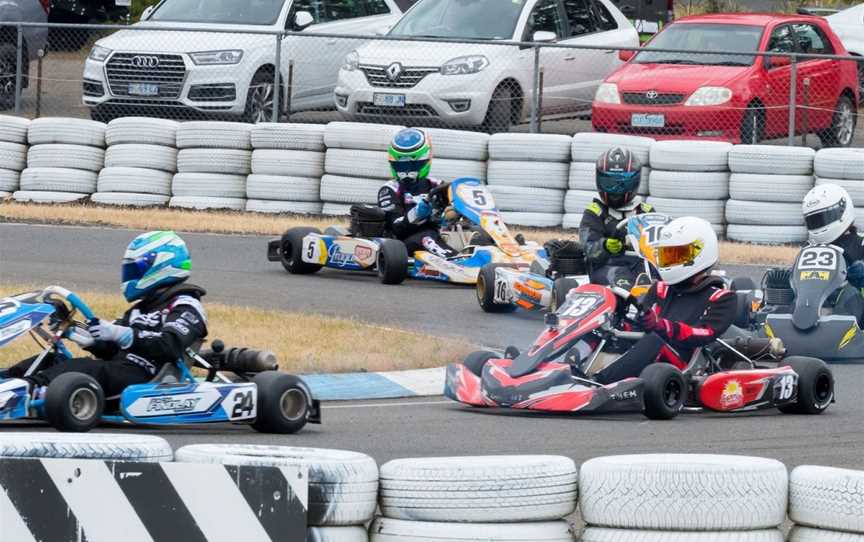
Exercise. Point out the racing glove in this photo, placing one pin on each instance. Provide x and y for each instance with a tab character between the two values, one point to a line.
855	274
104	330
650	320
421	211
613	246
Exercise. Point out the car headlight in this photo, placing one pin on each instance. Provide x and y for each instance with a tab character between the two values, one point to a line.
351	62
463	65
607	93
709	96
213	58
99	53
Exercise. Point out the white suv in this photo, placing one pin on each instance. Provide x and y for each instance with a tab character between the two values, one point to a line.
484	84
227	74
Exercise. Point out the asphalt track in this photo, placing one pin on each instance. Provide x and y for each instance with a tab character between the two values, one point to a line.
235	270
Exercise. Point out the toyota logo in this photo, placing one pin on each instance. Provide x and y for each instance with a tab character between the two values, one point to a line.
394	71
142	61
651	95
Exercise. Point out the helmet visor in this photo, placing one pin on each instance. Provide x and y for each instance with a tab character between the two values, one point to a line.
135	269
407	166
820	219
618	183
677	255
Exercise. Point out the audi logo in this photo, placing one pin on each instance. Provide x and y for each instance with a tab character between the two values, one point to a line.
142	61
651	94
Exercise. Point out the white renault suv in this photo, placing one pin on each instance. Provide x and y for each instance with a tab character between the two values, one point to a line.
484	84
227	74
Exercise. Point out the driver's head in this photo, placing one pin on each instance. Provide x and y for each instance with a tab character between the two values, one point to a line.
687	247
152	261
410	156
828	213
618	176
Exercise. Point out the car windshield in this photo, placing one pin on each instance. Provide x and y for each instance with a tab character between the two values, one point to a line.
470	19
703	37
254	12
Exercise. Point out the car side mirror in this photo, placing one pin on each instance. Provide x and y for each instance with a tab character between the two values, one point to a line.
625	56
544	36
302	19
777	61
147	12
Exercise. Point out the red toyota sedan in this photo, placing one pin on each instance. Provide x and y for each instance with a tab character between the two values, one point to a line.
732	97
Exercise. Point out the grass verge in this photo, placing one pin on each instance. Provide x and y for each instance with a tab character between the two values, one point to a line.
261	224
303	343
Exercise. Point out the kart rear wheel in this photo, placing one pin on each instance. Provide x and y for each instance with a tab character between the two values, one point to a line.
283	406
74	402
392	262
292	251
665	391
815	386
486	289
560	290
739	284
475	361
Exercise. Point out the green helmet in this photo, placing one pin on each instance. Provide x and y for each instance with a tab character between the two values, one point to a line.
410	155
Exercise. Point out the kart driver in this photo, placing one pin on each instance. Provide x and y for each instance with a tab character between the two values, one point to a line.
166	319
618	176
686	309
829	215
405	200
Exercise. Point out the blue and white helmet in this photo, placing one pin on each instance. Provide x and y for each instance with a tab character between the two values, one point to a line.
154	260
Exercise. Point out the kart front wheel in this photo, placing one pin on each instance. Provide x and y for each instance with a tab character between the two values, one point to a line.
560	289
74	402
283	406
292	252
486	290
665	391
392	262
475	361
815	386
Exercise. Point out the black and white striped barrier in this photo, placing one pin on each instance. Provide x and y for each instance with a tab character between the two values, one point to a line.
75	500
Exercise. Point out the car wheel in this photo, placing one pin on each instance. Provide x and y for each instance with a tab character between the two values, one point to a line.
392	262
485	289
292	255
842	129
283	406
752	126
665	391
259	99
8	61
499	115
815	386
74	402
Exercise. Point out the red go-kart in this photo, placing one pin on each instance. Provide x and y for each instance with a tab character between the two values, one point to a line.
555	374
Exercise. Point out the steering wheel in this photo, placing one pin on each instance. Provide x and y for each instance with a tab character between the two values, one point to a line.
67	305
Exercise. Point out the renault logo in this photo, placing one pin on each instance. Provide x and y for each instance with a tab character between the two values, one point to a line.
651	95
142	61
394	71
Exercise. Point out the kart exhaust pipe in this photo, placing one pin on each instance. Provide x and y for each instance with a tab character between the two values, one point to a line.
240	360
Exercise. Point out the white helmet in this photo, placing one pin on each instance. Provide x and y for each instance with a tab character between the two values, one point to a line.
828	213
687	246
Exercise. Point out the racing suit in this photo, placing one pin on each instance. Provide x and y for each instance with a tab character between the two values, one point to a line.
849	300
689	315
163	326
600	222
417	233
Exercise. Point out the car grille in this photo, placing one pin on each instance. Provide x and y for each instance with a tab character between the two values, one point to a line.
168	73
410	110
637	130
642	98
408	78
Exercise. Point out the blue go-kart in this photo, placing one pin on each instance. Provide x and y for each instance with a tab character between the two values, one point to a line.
260	395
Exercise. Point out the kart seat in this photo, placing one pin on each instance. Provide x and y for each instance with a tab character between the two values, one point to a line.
170	372
368	221
566	258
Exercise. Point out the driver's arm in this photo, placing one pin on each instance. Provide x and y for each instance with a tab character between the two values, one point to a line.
185	324
715	320
591	234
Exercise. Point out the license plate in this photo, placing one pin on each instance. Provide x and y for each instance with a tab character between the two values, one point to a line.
647	120
143	89
389	100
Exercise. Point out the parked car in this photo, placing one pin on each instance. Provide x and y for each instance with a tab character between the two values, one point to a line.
31	11
849	27
486	84
732	97
81	12
226	72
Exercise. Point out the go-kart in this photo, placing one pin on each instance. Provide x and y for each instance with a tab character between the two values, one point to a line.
799	307
503	287
555	373
471	224
260	395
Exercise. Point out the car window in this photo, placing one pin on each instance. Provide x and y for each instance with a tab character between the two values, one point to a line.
782	40
579	16
699	38
812	40
544	17
338	10
474	19
253	12
604	18
377	7
314	7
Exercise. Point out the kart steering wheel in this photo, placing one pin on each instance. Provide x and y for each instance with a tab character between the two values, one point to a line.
57	295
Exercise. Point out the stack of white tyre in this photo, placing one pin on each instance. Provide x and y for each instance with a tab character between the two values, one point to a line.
683	498
139	164
458	154
492	498
13	153
844	167
287	165
586	149
356	164
527	175
343	485
63	161
826	504
213	161
691	178
766	188
105	446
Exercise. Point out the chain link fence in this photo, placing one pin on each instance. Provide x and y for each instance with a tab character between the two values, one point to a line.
708	84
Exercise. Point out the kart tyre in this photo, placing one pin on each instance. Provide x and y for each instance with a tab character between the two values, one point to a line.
741	284
475	361
392	262
292	251
485	289
288	136
214	135
67	131
283	403
827	498
13	129
141	131
815	386
560	290
74	403
665	391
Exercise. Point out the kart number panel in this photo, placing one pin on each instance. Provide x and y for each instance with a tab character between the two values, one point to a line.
818	272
